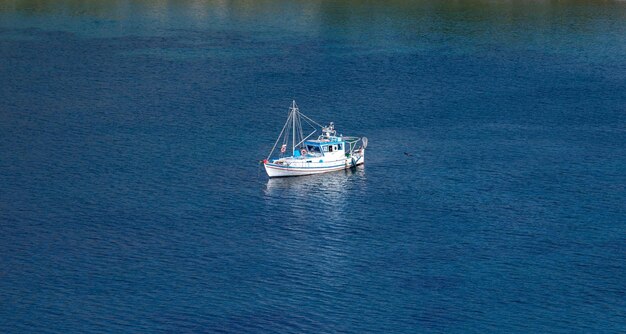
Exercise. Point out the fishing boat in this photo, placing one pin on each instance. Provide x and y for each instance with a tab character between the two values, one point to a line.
299	155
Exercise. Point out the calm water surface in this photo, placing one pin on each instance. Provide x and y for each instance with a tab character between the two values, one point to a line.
493	197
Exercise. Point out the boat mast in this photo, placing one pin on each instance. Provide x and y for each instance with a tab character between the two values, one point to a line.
293	137
292	121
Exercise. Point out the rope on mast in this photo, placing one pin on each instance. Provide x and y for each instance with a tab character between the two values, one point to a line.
280	135
316	123
307	137
300	128
294	125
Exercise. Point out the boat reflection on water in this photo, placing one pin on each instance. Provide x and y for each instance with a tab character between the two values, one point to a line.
313	223
329	193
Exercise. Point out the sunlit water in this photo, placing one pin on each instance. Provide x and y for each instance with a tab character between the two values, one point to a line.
492	199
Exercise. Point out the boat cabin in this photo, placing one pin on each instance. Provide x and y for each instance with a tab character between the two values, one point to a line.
325	147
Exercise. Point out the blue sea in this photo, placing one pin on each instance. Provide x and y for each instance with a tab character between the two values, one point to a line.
493	197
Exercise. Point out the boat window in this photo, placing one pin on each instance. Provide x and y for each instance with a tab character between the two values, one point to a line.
330	148
313	149
339	146
334	147
325	148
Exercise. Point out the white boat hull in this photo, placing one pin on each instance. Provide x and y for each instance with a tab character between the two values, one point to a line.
281	170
